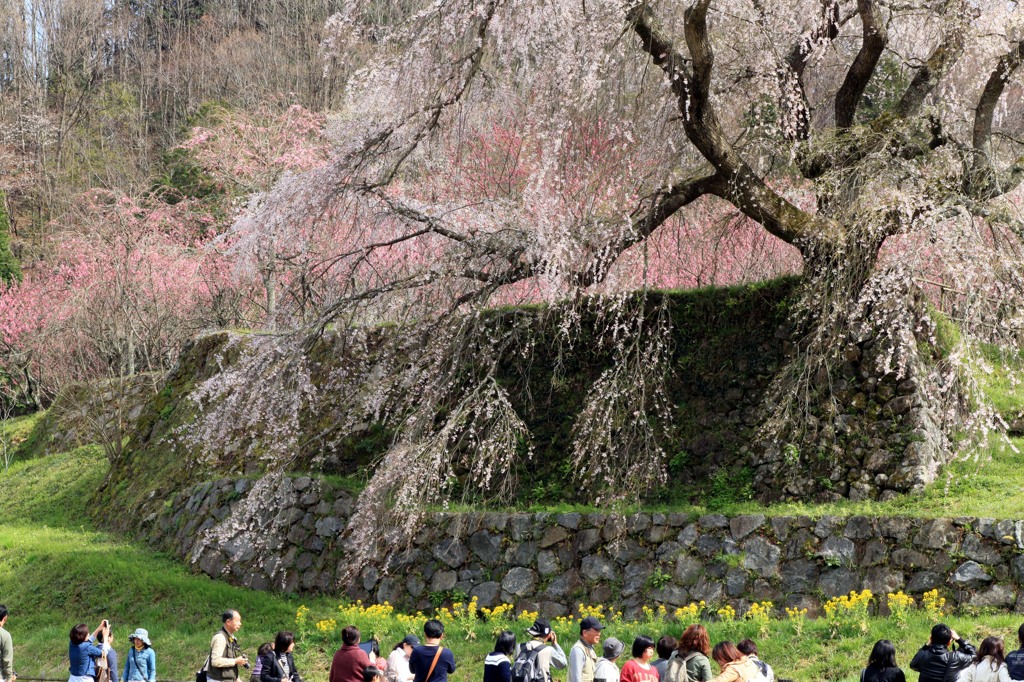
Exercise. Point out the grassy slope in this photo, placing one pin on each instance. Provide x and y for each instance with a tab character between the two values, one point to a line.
55	571
989	485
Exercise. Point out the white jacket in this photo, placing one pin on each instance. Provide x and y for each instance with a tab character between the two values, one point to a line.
984	672
606	671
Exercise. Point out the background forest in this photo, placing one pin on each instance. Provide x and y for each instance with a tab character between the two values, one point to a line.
132	133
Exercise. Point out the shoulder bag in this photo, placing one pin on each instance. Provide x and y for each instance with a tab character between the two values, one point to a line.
201	673
102	669
433	663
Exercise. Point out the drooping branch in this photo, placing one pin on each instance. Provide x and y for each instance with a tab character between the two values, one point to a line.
465	70
661	206
519	264
863	66
984	112
742	186
796	108
939	62
825	32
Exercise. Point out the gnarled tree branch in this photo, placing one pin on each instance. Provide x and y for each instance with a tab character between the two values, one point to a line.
863	66
738	184
983	113
938	64
793	94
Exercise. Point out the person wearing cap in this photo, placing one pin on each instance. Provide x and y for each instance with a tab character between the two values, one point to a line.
140	662
545	641
606	670
582	658
6	649
398	660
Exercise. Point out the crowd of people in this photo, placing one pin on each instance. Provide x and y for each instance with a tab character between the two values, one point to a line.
946	657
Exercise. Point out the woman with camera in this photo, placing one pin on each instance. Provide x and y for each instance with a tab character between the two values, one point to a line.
82	651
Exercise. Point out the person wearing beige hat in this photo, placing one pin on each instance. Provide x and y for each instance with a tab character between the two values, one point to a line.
140	662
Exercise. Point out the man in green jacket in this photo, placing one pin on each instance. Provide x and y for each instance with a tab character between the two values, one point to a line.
6	649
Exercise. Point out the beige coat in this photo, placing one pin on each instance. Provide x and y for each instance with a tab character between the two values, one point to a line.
742	670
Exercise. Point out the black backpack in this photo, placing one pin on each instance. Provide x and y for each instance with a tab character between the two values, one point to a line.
525	668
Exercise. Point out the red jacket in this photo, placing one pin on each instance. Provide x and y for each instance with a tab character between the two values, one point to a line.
348	664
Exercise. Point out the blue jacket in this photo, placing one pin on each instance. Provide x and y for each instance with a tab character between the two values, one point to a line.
81	656
497	668
421	658
140	665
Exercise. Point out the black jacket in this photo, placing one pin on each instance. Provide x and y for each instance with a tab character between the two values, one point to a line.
1015	664
936	663
874	673
271	671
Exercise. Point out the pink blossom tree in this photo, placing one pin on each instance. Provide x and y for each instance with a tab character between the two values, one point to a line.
127	282
246	153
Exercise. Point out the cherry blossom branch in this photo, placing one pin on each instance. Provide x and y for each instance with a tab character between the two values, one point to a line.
793	93
662	206
984	176
433	111
938	64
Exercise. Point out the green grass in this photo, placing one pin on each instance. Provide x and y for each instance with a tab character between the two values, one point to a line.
17	436
1001	383
56	571
990	486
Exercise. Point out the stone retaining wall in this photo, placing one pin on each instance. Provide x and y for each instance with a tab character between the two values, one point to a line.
285	534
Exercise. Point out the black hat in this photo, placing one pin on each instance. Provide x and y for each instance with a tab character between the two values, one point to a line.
540	628
590	623
411	640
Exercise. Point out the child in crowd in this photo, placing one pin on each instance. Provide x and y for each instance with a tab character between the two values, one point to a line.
749	649
606	670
